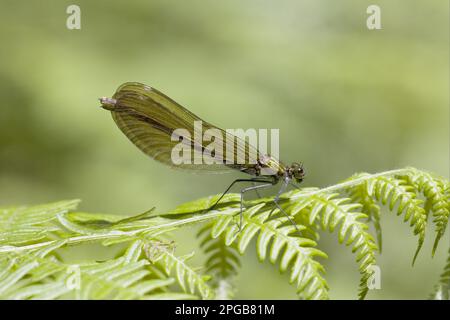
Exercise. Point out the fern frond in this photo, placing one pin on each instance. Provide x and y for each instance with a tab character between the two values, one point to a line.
333	212
436	194
188	278
126	277
278	239
22	275
222	262
359	194
300	212
394	191
22	225
442	289
31	237
36	274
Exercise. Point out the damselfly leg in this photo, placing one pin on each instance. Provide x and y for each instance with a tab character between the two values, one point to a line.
256	191
253	187
265	184
292	183
283	187
254	180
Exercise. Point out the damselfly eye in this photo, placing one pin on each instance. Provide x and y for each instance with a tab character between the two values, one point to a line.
298	172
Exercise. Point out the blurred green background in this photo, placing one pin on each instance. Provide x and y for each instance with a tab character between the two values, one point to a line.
346	99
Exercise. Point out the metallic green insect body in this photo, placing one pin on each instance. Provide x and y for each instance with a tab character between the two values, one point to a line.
149	118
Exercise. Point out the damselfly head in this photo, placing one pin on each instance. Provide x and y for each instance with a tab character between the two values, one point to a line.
108	103
296	171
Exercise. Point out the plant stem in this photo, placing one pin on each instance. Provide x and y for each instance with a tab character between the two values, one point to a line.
349	183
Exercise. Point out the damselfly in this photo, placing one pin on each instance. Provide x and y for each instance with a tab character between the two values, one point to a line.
149	119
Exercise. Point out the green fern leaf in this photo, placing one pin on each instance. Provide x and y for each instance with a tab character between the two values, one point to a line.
188	278
434	191
22	273
359	194
222	261
35	274
24	225
31	237
278	238
333	212
442	289
393	191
